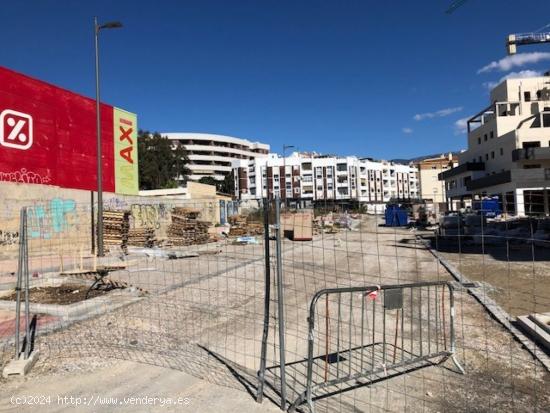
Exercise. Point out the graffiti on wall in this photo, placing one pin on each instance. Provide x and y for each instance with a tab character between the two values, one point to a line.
47	220
148	215
116	204
8	237
25	177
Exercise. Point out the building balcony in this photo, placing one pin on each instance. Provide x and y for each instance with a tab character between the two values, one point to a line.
531	154
460	169
522	178
490	180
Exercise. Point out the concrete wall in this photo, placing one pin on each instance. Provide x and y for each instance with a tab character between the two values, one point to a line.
59	220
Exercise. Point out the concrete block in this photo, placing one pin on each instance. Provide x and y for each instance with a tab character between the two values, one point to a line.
536	326
20	367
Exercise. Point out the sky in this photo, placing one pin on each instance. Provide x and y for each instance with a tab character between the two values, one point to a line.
392	79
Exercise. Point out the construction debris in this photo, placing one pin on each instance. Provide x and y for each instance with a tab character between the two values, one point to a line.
116	225
186	229
246	241
142	237
241	227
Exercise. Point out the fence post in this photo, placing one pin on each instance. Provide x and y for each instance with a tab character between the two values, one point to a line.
267	294
22	273
280	301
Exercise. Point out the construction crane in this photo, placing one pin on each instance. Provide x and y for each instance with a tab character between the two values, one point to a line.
455	5
515	40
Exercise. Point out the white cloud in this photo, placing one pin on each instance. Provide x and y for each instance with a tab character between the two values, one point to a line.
461	126
516	60
438	114
513	75
407	130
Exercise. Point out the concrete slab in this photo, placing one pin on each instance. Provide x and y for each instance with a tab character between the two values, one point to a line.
20	367
535	327
126	386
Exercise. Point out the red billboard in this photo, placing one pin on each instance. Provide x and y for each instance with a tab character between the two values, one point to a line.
48	136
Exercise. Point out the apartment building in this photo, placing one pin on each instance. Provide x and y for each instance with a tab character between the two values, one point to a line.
212	155
508	151
311	177
431	188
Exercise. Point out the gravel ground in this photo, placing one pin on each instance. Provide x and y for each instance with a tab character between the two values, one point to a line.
203	316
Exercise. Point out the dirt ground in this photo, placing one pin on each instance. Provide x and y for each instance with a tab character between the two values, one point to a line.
516	276
203	318
62	295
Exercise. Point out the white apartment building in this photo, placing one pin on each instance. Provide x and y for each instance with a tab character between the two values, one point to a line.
311	177
212	155
508	151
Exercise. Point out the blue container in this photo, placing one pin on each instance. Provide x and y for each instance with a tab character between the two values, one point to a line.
396	216
489	207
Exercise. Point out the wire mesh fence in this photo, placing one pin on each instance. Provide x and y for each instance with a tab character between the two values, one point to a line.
231	302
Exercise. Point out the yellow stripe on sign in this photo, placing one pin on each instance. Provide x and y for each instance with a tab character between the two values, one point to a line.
126	155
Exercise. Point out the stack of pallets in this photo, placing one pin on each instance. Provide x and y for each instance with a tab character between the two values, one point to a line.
115	229
241	227
142	237
186	229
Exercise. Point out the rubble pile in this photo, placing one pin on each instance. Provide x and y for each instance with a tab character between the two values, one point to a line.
186	228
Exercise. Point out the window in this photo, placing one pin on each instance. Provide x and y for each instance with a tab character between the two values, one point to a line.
306	166
485	137
486	156
533	166
527	96
319	172
308	178
501	151
480	159
492	134
341	167
534	144
319	187
479	141
329	187
492	154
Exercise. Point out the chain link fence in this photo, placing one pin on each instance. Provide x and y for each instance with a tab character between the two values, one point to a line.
236	297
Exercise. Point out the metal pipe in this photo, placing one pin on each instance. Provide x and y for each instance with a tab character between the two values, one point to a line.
100	251
92	222
280	301
261	373
22	219
27	292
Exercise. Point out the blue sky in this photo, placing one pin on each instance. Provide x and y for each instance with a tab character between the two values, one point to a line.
344	77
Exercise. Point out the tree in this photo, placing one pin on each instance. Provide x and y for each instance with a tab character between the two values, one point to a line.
227	186
160	161
208	180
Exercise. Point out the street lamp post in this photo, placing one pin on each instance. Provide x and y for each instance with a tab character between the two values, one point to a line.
285	147
97	28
